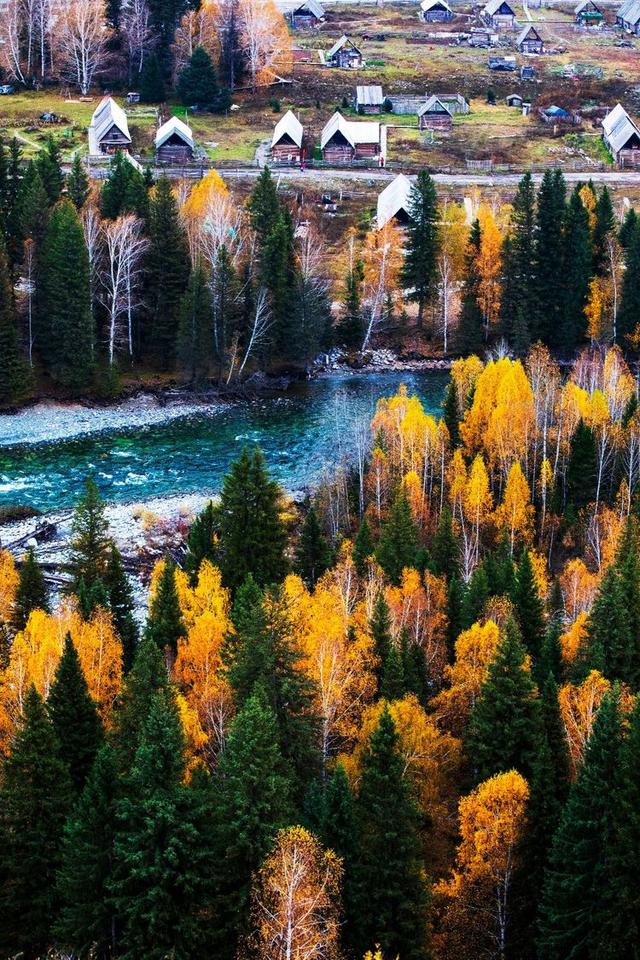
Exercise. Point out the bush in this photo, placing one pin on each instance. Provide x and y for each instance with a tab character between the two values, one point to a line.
275	105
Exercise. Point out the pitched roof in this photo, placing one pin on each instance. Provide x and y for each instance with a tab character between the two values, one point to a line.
630	11
555	111
428	4
288	125
312	6
338	45
586	3
529	29
354	132
177	126
369	96
106	115
494	5
394	198
433	105
619	128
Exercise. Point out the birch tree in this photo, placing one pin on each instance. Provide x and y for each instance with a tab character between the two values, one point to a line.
264	41
137	31
81	36
124	245
11	26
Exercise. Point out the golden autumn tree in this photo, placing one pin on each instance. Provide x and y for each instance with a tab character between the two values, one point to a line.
454	235
8	586
514	515
419	607
296	911
477	900
488	264
598	309
264	41
212	219
578	708
475	649
478	504
197	28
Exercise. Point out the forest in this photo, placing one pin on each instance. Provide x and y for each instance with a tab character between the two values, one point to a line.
399	721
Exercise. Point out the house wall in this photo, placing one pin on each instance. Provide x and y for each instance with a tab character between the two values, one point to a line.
435	121
369	109
113	140
503	21
531	46
366	151
304	21
286	153
628	158
174	153
437	16
347	60
338	153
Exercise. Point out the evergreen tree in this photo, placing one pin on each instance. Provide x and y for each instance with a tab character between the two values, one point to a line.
14	376
90	539
50	170
194	332
508	703
550	218
78	183
364	546
398	539
147	677
120	603
74	716
165	16
393	685
581	468
519	312
264	206
253	803
87	922
450	414
338	831
470	335
603	229
570	913
445	549
163	850
420	268
528	606
165	625
630	297
380	627
31	593
313	556
197	82
576	272
607	646
627	564
27	214
167	272
475	596
278	275
151	86
550	660
228	295
351	326
200	541
390	893
124	191
252	535
66	335
627	228
35	797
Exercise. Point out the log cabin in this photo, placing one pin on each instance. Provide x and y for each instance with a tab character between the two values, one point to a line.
174	142
499	15
394	202
344	141
530	41
622	137
588	14
435	11
369	100
108	130
628	17
307	16
345	55
286	143
434	115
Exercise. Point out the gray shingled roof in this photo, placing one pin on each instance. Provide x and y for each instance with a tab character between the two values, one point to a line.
312	6
369	96
494	5
619	128
525	33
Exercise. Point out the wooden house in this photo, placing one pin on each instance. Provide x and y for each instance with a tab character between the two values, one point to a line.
286	143
344	141
108	130
454	102
530	41
514	100
628	17
394	203
306	16
345	55
499	15
369	100
483	37
587	14
622	137
174	142
435	11
434	115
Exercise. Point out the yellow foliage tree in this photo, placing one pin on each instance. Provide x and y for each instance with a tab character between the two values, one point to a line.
488	264
514	515
264	41
8	585
578	707
419	606
475	649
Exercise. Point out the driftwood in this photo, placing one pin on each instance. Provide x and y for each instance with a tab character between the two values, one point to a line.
42	533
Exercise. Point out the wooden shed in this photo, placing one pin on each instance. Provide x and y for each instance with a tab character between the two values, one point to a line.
499	15
174	142
345	55
628	17
286	143
514	100
343	141
622	137
434	115
587	14
108	130
369	100
530	41
435	11
307	16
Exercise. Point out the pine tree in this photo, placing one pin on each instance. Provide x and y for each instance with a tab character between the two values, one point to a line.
50	170
519	313
124	191
252	535
570	912
420	268
364	546
165	625
630	297
576	272
528	606
264	206
66	338
550	218
508	703
90	541
147	677
279	277
253	803
200	541
627	228
14	376
197	82
474	598
351	326
581	468
607	646
152	87
393	685
163	849
194	332
380	627
390	893
228	295
86	923
398	539
27	215
469	333
338	831
74	716
167	273
313	556
550	660
603	229
121	605
445	549
627	564
78	183
451	415
32	593
35	798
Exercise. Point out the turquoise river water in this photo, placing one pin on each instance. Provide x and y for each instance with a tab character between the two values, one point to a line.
302	432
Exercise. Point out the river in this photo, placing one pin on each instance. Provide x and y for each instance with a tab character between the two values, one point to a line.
302	432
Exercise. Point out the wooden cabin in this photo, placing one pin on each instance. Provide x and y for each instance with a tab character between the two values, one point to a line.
454	102
307	16
369	100
499	15
394	202
108	130
286	143
344	141
622	137
434	115
174	142
345	55
530	41
435	11
628	17
587	14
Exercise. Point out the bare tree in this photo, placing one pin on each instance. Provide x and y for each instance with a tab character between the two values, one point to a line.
264	40
198	28
81	38
124	245
29	287
260	326
11	28
44	17
139	36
